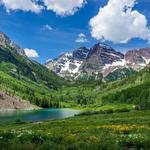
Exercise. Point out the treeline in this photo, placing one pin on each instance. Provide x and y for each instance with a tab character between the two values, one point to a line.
134	89
44	97
30	91
22	66
138	95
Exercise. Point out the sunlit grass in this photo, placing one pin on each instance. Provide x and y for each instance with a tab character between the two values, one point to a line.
109	131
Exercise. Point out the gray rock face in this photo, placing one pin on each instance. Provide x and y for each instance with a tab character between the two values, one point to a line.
6	42
99	59
103	54
138	58
81	53
99	56
85	61
65	65
69	64
8	103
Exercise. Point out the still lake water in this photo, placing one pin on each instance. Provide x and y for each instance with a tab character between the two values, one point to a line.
37	115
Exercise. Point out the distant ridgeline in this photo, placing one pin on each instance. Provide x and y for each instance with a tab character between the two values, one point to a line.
29	80
99	62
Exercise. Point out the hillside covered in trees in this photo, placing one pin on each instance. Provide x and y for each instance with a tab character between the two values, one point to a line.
29	80
25	78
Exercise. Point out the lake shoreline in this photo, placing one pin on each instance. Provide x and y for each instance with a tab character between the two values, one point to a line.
38	115
13	110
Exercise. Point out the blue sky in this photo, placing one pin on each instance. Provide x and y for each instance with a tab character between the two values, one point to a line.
50	33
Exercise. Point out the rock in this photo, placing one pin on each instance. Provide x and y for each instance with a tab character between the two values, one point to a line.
12	103
99	59
6	42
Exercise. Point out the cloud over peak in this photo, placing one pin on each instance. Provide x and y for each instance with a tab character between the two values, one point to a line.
119	23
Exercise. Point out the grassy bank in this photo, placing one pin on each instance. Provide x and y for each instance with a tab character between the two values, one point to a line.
102	131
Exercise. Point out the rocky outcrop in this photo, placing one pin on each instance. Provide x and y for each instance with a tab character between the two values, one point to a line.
12	103
138	58
99	59
68	64
6	42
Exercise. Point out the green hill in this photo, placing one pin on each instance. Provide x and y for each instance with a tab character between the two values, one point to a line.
134	89
129	91
19	66
32	81
26	78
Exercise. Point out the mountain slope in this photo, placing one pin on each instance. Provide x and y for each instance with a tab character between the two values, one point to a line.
31	81
132	90
24	77
14	62
100	60
10	103
119	74
68	64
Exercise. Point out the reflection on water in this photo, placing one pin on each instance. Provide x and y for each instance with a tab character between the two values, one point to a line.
37	115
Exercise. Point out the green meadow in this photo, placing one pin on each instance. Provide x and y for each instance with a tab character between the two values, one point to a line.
110	131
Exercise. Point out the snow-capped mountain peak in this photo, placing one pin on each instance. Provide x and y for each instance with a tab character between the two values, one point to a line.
100	58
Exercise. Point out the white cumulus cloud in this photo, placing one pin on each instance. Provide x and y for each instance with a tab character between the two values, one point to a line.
31	53
60	7
64	7
119	23
81	38
25	5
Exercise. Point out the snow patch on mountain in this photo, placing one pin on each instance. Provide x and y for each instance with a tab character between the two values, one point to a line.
146	60
99	59
115	64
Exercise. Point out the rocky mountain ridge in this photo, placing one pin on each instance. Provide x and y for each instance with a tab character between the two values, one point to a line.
14	62
99	60
6	42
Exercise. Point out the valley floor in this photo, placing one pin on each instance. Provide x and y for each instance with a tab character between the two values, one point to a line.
128	130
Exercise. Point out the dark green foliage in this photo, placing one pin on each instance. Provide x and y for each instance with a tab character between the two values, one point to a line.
31	81
20	76
20	66
95	77
119	74
28	90
136	90
107	111
130	95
